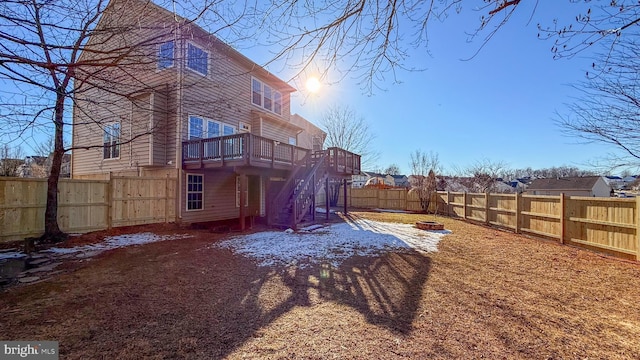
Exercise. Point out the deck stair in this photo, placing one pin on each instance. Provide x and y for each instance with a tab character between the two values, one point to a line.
297	197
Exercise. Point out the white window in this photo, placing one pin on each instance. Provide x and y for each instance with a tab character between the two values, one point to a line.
111	141
268	101
165	55
256	92
265	96
197	59
201	128
293	141
246	193
277	103
195	192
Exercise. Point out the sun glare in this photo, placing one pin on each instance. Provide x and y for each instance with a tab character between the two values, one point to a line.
313	85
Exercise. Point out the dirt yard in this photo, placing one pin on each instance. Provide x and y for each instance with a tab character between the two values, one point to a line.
484	294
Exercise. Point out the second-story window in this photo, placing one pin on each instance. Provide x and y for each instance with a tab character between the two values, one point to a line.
268	102
111	141
265	96
256	92
277	103
197	59
165	55
201	128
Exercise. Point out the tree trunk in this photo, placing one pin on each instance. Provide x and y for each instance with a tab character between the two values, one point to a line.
52	232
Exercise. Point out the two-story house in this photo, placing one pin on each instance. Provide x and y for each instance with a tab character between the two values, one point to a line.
195	108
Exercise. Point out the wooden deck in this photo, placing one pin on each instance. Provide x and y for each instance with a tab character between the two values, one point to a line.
252	150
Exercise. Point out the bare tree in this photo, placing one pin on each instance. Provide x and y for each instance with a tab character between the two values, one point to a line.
423	175
608	111
392	169
367	39
346	130
10	160
55	54
481	176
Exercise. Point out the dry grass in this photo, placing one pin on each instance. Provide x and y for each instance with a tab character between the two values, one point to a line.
486	293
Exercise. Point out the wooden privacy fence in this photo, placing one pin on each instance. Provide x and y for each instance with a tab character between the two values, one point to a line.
609	225
85	205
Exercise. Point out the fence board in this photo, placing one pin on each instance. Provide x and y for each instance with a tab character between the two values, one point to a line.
84	205
606	224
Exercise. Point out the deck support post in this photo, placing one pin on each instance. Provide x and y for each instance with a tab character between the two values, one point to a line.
326	197
345	197
243	209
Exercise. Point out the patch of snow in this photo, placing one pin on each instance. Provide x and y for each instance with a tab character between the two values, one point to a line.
324	211
333	244
114	242
12	255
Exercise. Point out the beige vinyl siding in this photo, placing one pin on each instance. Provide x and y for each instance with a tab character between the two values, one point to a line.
219	197
141	120
95	107
138	129
160	131
225	94
277	131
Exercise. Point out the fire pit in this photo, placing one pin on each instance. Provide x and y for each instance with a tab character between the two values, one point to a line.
429	225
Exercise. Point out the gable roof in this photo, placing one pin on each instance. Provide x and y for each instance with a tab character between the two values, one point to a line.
568	183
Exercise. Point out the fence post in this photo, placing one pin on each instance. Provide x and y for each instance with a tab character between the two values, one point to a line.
486	208
517	229
166	199
562	217
448	204
637	228
109	199
464	206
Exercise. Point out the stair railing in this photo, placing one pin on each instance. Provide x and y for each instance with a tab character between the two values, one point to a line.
289	187
302	197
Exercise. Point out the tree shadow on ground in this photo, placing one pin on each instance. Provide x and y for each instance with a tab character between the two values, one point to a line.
188	300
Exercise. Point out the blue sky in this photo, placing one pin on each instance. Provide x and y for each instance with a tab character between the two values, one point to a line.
500	105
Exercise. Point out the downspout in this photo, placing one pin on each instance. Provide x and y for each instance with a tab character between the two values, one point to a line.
179	74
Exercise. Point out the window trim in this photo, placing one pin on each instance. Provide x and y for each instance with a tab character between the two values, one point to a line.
186	64
105	131
274	94
187	192
160	58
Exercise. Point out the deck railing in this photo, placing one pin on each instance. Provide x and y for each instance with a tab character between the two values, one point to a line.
243	147
256	150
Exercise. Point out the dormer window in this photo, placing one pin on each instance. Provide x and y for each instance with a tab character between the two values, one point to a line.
265	96
197	59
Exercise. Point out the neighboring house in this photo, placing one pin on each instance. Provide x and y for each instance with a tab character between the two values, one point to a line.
628	181
359	180
518	186
39	166
400	181
615	182
10	167
376	179
571	186
208	116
